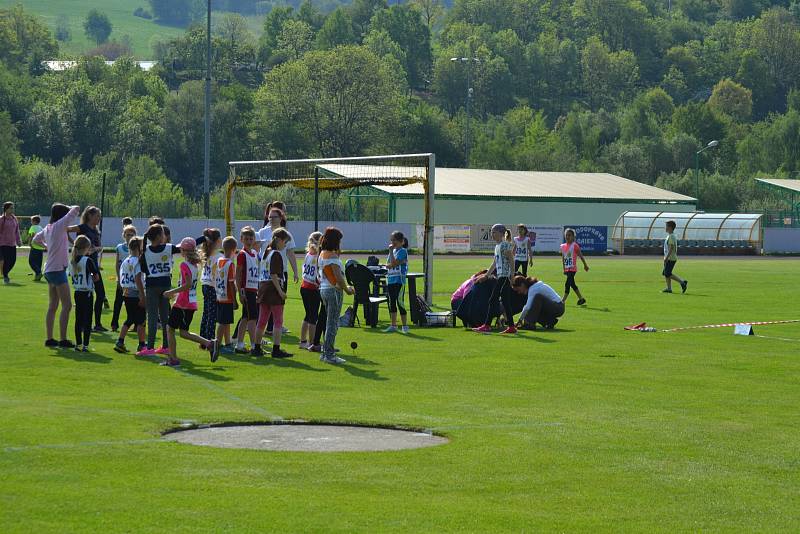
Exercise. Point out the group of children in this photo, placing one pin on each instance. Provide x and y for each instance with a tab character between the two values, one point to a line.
251	273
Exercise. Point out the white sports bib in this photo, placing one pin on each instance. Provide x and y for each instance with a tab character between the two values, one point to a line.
81	279
159	264
128	271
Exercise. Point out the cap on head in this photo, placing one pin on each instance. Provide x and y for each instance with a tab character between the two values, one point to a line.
499	228
187	243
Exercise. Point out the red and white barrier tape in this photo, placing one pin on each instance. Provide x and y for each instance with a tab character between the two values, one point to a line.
754	323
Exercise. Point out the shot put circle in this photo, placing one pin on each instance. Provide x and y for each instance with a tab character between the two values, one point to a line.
306	438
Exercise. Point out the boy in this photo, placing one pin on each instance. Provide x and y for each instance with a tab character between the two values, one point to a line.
670	258
502	268
37	251
224	283
247	287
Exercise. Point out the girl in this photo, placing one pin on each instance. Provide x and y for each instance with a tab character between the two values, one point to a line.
309	291
523	253
90	221
543	306
84	273
132	284
36	253
55	238
271	295
570	252
128	232
397	268
9	240
501	267
247	273
463	290
180	317
331	286
212	255
224	281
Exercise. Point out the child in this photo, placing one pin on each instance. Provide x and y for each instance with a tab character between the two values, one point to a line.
523	254
247	287
84	273
397	268
271	295
309	291
131	280
128	232
570	252
670	258
501	267
224	284
180	316
211	253
37	251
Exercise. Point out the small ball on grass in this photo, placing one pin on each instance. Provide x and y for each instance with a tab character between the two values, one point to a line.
353	345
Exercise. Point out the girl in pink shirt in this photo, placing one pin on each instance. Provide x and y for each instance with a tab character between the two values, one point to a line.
570	252
180	316
9	240
54	237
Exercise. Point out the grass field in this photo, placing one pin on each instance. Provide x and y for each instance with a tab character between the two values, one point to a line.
586	428
142	33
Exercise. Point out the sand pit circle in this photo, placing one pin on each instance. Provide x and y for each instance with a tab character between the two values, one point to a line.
306	438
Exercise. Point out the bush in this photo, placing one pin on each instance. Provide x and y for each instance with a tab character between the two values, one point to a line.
142	13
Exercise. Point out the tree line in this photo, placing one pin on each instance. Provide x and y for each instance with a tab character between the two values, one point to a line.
632	87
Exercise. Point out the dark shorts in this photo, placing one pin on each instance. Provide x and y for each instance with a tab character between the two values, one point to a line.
668	266
56	278
250	306
136	314
224	312
180	319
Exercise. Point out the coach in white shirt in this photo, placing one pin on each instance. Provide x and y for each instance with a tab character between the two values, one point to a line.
544	305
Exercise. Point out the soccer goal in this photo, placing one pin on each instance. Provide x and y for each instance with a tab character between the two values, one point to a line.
341	173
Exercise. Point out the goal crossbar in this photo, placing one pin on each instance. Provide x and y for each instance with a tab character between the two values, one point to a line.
342	173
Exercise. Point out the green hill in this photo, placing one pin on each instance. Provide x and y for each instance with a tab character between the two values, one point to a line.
140	33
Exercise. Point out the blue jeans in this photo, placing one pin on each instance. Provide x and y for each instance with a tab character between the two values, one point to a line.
332	299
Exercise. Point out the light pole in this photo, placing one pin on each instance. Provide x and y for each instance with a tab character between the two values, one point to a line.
207	132
468	61
711	144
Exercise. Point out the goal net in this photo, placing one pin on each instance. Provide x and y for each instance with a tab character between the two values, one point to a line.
328	174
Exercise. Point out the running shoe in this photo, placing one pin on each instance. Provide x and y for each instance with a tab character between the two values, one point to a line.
77	348
280	353
552	325
51	343
404	329
684	285
666	290
315	348
510	330
162	350
581	302
256	351
285	330
227	350
86	348
121	348
333	360
99	328
146	352
66	344
483	329
391	329
241	350
171	362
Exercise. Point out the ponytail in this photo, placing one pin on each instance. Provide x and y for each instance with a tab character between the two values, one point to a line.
154	231
212	235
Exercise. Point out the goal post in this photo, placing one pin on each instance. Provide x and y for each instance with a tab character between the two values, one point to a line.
401	170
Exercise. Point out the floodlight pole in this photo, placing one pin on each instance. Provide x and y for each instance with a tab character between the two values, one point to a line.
468	61
207	135
711	144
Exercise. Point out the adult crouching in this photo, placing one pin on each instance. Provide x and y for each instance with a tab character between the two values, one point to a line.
544	305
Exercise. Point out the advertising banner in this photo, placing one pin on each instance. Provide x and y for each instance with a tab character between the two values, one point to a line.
591	238
547	238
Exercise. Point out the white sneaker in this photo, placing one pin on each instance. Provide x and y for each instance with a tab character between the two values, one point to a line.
304	345
391	329
265	342
405	329
335	360
285	330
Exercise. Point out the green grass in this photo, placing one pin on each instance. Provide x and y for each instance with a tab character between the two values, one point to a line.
141	33
584	428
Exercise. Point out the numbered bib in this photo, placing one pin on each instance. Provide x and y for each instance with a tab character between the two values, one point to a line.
81	279
221	279
159	264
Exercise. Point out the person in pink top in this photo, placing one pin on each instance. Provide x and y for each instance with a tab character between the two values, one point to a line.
570	252
54	237
9	240
463	290
180	316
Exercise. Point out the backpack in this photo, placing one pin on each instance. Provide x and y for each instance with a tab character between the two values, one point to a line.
348	318
373	261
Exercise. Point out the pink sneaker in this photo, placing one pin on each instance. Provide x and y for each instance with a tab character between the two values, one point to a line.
161	350
146	352
483	329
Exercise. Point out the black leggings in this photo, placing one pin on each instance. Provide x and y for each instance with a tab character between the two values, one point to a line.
83	317
119	300
570	283
396	298
100	290
311	303
9	255
322	322
502	290
35	261
521	266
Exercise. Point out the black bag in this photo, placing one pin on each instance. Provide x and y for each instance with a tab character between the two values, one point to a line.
373	261
348	318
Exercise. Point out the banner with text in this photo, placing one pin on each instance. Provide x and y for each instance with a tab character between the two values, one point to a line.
591	238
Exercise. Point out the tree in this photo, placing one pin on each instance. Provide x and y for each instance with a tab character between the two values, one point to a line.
273	24
362	11
179	12
337	30
431	11
9	159
25	41
608	77
295	39
731	99
334	102
97	26
63	33
404	25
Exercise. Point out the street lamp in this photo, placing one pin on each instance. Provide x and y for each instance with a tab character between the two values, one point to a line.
207	119
711	144
469	61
